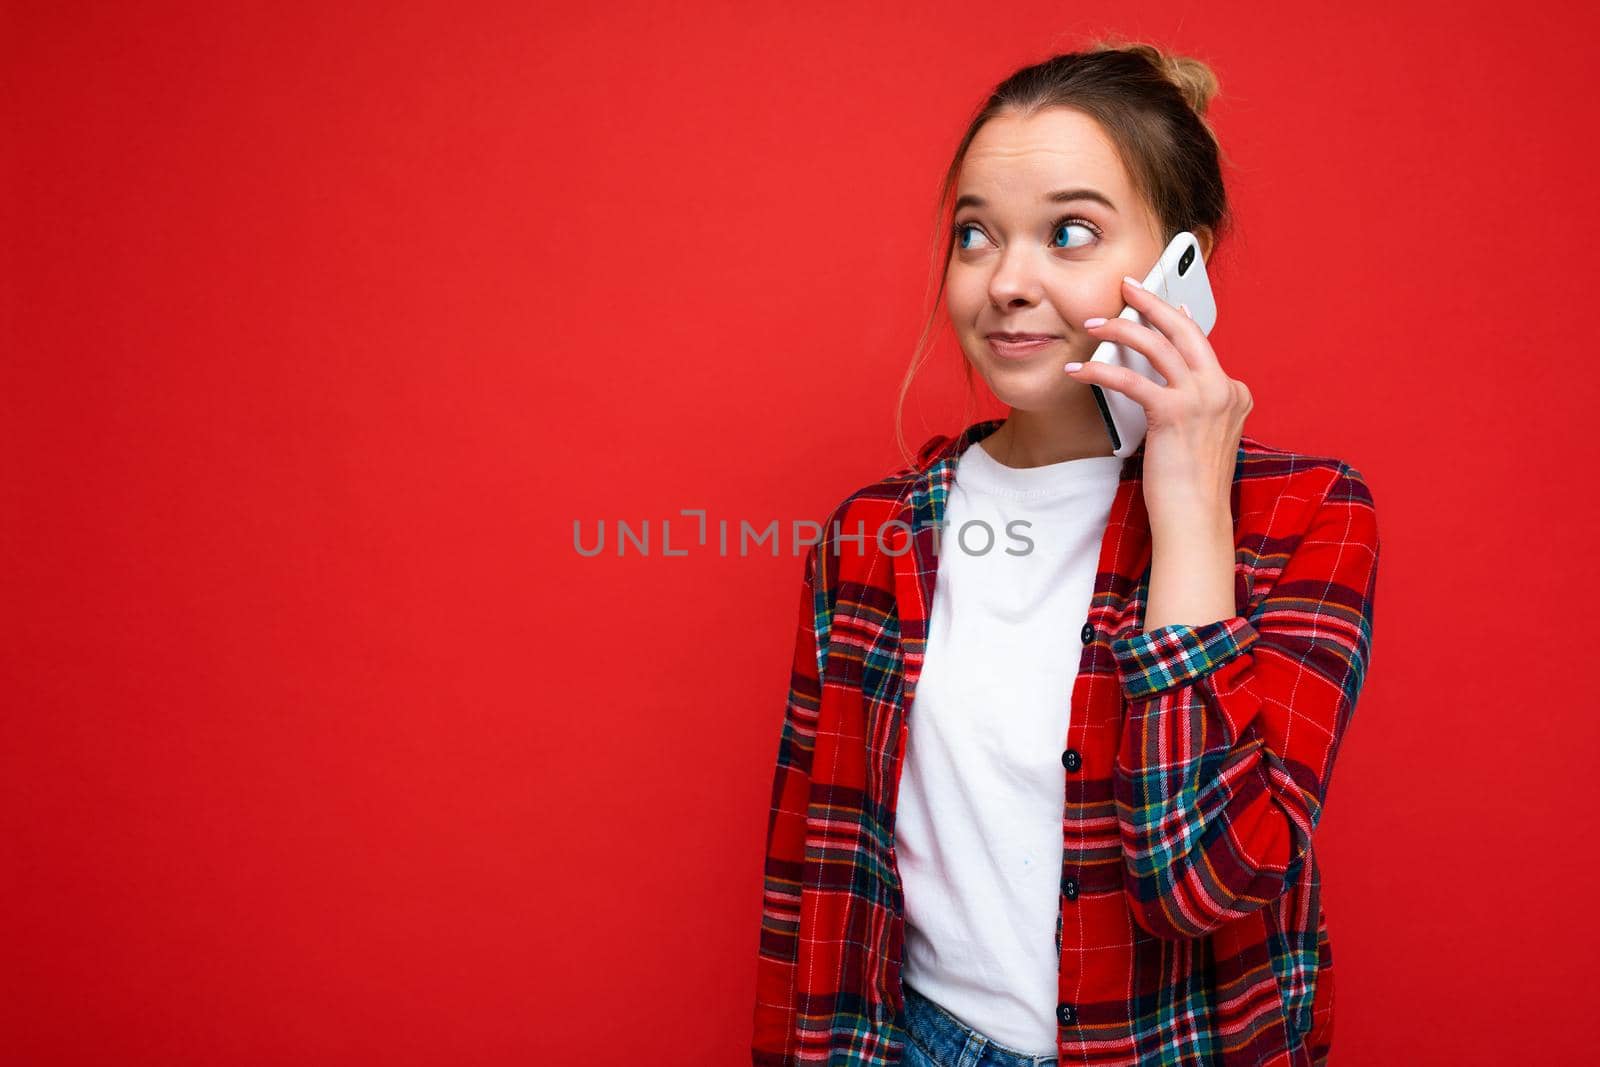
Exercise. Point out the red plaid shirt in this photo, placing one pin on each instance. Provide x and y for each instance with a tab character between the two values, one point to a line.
1194	771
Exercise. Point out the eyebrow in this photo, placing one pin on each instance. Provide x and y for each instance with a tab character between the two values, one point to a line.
1057	197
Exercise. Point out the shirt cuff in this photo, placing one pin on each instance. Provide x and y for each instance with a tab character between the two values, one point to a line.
1169	656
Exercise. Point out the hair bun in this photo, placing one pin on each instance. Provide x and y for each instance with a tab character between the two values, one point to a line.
1194	79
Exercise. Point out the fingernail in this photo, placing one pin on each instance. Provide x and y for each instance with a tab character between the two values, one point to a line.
1074	366
1131	280
1185	308
1090	324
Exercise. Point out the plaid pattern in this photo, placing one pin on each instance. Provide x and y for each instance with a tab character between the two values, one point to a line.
1194	772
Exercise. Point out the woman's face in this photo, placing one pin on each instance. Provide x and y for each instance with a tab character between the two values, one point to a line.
1036	251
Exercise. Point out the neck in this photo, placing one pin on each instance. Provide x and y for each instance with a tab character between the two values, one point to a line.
1038	438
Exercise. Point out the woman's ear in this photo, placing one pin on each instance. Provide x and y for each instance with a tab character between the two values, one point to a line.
1204	236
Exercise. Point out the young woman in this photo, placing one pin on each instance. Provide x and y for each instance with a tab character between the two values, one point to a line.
1046	792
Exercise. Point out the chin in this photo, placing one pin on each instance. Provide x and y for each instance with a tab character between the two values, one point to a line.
1032	387
1029	401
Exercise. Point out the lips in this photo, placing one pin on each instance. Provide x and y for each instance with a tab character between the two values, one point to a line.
1025	347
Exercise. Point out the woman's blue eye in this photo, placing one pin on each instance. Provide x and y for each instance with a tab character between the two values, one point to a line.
1079	226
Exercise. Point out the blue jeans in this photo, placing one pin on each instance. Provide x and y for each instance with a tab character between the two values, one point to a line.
939	1039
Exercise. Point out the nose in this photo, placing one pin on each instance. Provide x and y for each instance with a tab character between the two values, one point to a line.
1015	280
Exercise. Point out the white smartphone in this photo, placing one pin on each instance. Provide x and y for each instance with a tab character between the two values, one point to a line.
1179	277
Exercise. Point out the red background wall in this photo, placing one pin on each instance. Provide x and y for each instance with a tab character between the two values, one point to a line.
322	325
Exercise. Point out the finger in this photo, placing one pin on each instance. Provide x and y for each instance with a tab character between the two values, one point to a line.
1161	353
1180	329
1133	385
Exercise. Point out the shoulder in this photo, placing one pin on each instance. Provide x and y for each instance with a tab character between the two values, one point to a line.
1260	461
1283	490
879	501
889	496
853	526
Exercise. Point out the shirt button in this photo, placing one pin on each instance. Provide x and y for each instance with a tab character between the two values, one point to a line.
1087	633
1071	760
1065	1014
1069	887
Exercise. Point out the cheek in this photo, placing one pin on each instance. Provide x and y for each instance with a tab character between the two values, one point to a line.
963	297
1078	301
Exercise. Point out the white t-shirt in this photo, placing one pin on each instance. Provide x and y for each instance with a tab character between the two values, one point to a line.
978	826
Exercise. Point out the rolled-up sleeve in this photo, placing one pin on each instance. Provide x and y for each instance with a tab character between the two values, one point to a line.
1232	727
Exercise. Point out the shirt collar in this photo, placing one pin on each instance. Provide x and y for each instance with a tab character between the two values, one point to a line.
936	459
921	510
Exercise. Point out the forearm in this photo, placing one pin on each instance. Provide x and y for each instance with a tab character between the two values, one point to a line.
1192	569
